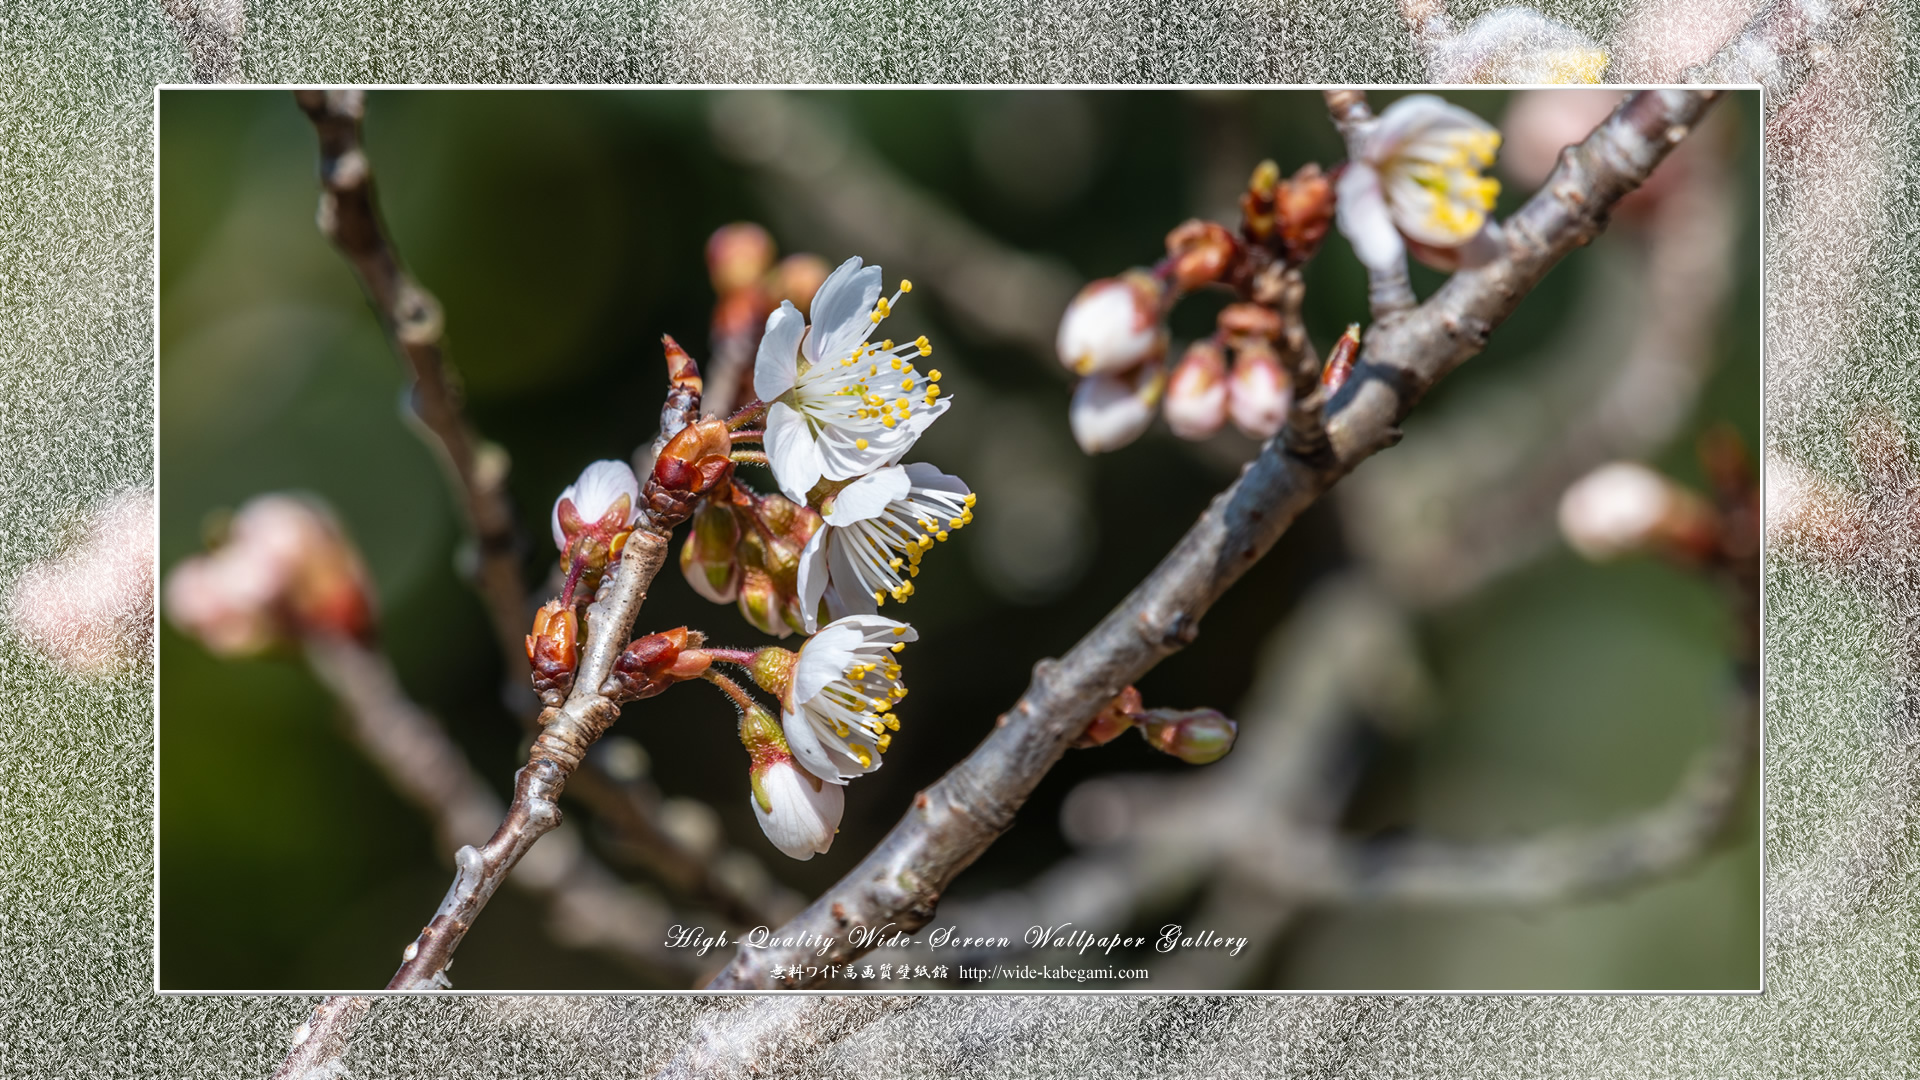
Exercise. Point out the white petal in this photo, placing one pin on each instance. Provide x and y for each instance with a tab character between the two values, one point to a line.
1412	117
803	820
843	311
841	455
790	452
559	537
1361	211
600	484
868	496
925	477
823	659
1108	412
774	367
849	595
813	576
878	626
808	750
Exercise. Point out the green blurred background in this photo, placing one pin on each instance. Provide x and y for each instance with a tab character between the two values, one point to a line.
563	232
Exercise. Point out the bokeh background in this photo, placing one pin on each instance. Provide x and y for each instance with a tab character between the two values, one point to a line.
563	233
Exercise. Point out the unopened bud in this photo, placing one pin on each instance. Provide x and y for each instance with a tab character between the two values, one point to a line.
798	811
650	664
1114	324
738	255
1202	253
1195	736
283	570
1196	402
1118	715
1303	211
696	459
1249	322
553	649
1110	411
1624	507
798	277
1340	361
708	558
761	603
772	670
1258	393
594	515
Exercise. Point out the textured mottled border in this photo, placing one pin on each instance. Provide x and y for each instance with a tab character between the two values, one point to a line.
77	384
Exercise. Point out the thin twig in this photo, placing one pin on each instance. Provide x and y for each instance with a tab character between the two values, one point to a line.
1389	289
422	763
350	217
957	818
567	733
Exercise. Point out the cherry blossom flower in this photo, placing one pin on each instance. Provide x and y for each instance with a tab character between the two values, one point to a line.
839	406
872	536
800	812
836	709
1418	178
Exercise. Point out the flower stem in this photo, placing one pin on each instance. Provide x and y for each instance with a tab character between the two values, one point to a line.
733	690
746	414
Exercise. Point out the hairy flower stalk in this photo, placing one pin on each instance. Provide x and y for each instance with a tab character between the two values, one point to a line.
873	534
840	407
1417	177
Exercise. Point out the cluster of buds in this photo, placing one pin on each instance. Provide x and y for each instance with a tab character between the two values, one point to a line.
1114	333
283	570
749	285
746	548
1195	736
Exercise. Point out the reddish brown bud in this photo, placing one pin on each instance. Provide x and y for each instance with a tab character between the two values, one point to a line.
1202	252
738	255
1249	321
553	649
1119	715
1340	361
652	663
682	372
1303	211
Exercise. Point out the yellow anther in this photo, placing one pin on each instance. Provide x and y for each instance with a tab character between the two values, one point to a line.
896	363
969	500
883	742
866	759
893	723
898	646
899	631
941	536
879	597
933	389
934	375
893	564
887	344
860	443
887	421
905	285
905	384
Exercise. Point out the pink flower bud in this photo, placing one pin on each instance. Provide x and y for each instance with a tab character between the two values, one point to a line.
738	255
285	570
1110	411
90	609
1258	393
798	277
1196	402
1623	508
1114	324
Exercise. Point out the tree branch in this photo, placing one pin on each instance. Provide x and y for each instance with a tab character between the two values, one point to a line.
953	821
350	217
568	731
321	1040
748	1040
